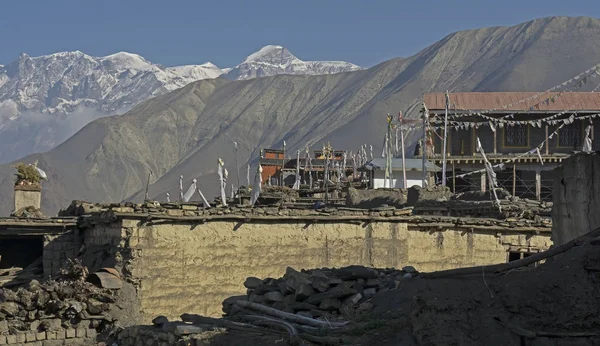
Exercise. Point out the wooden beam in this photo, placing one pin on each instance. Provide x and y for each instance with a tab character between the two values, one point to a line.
453	178
495	144
514	190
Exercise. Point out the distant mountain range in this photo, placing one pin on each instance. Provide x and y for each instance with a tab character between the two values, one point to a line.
185	131
44	100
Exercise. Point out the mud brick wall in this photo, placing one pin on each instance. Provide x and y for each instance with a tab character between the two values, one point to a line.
67	337
181	266
58	249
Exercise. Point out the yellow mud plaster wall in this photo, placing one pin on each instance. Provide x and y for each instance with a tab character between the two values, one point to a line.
183	268
448	249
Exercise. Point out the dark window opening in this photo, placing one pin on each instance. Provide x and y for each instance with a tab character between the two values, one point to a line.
517	255
570	136
514	256
20	251
516	136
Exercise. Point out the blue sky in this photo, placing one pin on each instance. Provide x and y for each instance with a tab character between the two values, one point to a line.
225	31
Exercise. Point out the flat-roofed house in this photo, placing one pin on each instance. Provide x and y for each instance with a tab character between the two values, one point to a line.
510	126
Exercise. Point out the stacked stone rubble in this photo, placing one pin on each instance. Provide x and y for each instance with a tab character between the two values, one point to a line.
466	213
64	312
321	293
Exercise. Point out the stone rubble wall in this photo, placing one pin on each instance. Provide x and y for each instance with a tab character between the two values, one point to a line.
576	197
325	293
67	337
58	249
434	213
65	312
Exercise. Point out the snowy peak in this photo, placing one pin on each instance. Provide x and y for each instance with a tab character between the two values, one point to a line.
273	60
46	99
124	61
276	55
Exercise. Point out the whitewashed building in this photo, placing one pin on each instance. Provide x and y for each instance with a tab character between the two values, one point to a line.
414	172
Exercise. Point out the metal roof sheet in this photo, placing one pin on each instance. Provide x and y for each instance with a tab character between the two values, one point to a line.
574	101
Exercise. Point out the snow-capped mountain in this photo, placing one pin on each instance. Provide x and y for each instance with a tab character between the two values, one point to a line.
274	60
59	83
44	100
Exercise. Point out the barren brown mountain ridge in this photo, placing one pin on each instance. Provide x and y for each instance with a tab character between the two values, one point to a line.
185	131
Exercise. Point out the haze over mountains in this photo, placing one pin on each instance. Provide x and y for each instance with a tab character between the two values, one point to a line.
44	100
186	130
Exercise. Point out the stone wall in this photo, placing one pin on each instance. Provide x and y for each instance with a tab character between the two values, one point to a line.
182	265
58	248
576	197
68	337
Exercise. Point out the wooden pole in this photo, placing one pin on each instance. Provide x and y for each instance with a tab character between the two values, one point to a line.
403	152
514	190
237	168
445	139
453	177
547	142
281	173
495	142
424	146
538	183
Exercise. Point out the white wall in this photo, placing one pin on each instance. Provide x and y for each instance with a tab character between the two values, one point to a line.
413	178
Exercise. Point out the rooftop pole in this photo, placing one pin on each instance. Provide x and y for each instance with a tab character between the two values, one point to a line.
424	144
281	173
445	139
401	120
388	149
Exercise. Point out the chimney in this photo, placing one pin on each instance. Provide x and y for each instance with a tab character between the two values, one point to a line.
28	196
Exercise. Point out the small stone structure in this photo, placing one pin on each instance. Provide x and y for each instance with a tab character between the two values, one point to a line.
28	196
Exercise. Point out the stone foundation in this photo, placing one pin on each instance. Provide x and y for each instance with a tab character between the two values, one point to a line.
67	337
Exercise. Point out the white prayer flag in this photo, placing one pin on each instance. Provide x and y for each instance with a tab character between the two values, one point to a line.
256	188
222	177
181	187
190	191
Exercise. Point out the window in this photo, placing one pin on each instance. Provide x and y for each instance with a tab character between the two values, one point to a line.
516	136
514	256
518	255
570	136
